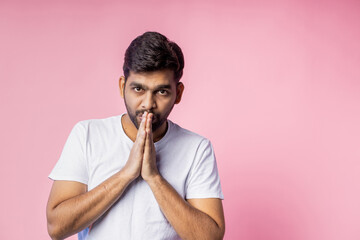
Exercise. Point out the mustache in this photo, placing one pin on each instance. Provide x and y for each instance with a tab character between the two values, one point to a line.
141	112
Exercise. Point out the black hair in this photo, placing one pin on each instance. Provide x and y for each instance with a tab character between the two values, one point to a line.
152	51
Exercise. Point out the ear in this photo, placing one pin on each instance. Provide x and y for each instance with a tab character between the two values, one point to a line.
122	86
179	91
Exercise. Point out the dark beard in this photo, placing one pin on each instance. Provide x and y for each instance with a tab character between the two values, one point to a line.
156	120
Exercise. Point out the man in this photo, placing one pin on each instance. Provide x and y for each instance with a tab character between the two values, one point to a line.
138	175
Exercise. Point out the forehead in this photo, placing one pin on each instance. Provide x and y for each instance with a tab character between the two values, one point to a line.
152	79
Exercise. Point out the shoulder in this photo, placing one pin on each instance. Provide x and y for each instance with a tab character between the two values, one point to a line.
103	123
96	127
189	137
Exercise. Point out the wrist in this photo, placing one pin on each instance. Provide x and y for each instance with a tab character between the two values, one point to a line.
153	179
126	176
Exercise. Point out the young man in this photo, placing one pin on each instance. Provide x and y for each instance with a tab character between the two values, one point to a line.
138	175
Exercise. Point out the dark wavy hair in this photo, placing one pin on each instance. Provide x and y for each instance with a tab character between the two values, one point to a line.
152	51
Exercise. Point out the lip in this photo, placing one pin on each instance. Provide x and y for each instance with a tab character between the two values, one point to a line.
140	117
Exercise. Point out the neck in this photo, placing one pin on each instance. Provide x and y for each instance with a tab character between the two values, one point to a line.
131	131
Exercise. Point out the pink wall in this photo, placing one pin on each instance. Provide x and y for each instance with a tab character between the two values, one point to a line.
274	84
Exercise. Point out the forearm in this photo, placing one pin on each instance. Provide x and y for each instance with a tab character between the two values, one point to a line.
75	214
188	222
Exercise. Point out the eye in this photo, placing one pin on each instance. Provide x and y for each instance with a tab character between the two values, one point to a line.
137	89
163	92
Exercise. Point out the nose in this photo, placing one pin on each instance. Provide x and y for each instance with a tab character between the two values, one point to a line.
148	102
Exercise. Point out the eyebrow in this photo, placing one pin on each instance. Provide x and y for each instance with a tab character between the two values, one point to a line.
162	86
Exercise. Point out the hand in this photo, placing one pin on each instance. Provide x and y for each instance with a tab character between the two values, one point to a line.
132	167
149	168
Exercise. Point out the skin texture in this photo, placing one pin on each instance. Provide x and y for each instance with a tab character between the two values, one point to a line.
71	207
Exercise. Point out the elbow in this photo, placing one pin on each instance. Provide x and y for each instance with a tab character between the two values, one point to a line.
53	231
58	229
219	235
54	228
214	234
220	232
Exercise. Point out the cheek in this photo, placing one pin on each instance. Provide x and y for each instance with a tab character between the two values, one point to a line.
166	104
131	101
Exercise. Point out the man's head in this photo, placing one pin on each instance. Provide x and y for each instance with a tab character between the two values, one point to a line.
152	51
153	67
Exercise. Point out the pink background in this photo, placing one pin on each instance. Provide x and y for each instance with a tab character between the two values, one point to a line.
274	84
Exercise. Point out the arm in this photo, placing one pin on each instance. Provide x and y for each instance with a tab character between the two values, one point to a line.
192	219
71	208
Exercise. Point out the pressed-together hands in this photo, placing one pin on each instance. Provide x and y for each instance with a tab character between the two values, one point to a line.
142	158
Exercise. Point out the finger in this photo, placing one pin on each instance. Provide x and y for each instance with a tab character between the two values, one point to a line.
142	123
147	147
149	123
148	141
150	132
142	131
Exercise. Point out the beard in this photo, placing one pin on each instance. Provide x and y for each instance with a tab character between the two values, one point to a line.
157	119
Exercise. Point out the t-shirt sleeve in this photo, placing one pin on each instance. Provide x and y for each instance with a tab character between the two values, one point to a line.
204	180
72	164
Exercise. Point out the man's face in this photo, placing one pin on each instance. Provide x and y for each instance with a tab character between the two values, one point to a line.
155	92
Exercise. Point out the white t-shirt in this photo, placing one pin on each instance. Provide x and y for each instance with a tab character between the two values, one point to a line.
97	149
